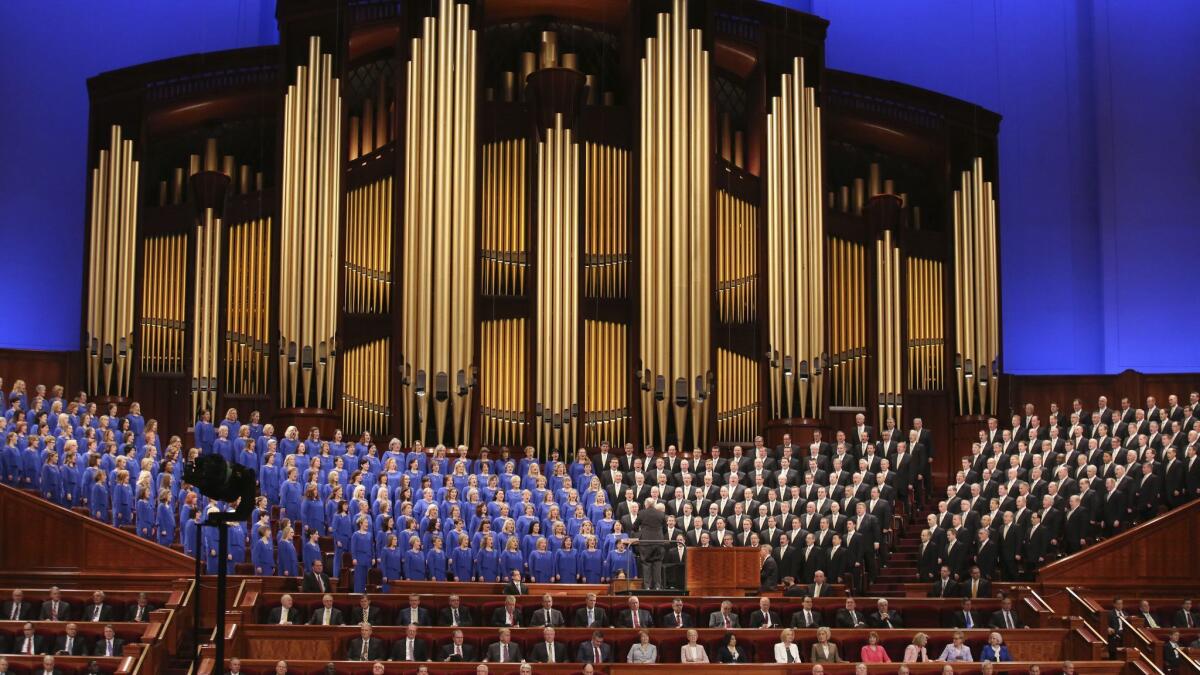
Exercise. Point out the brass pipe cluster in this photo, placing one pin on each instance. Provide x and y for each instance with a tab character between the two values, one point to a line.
795	249
737	259
207	280
605	221
374	125
887	324
926	342
605	383
437	293
368	265
504	223
675	343
502	382
172	191
976	295
852	198
247	299
164	294
847	324
548	55
112	253
737	403
556	399
731	142
366	382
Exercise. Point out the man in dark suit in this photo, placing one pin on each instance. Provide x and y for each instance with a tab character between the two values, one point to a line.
97	611
1012	539
986	554
70	643
455	614
547	614
316	580
965	617
595	650
819	588
139	611
1114	509
976	586
1184	618
882	617
944	586
504	650
850	617
54	609
673	562
414	613
650	530
409	647
590	615
1075	525
1114	627
16	609
1036	546
366	612
285	613
812	558
635	616
364	647
764	617
1174	479
508	615
806	616
326	614
1149	493
768	574
1005	617
548	650
515	585
457	650
676	618
109	644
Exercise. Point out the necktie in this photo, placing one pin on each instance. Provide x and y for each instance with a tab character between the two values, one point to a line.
366	645
766	620
1008	622
1188	618
283	615
458	650
725	618
853	618
635	619
509	618
320	583
70	643
807	618
595	654
140	612
970	623
974	587
678	620
28	648
96	616
412	616
453	616
54	611
503	652
550	651
591	616
16	609
408	650
108	648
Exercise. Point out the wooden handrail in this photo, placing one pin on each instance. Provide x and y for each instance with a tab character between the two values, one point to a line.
1134	636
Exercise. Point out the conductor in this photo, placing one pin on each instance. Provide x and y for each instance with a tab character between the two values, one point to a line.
651	528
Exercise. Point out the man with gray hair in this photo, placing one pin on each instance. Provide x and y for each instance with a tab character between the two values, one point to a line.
651	526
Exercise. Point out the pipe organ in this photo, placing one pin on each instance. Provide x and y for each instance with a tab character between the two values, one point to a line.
547	224
888	321
164	292
976	297
848	324
795	248
675	341
439	228
309	213
112	251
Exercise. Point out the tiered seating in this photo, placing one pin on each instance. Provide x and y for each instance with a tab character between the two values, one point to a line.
311	667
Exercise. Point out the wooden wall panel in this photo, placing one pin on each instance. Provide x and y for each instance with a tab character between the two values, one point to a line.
41	367
43	536
1040	390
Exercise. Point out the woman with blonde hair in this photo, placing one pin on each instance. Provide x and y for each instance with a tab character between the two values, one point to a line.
692	651
824	651
916	651
786	650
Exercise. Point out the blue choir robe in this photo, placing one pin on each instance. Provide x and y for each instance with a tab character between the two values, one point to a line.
224	448
187	537
312	515
591	565
262	554
10	465
541	567
268	482
287	446
311	554
620	560
391	564
70	486
248	459
237	547
122	505
487	565
144	513
137	424
98	501
261	443
165	521
511	561
31	466
256	430
362	549
210	538
312	448
529	544
342	528
51	483
290	495
414	566
567	565
286	557
205	434
462	563
435	564
233	426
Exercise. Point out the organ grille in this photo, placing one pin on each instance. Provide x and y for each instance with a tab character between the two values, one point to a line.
848	324
164	294
605	217
504	219
605	382
368	266
926	343
737	259
248	297
737	400
365	388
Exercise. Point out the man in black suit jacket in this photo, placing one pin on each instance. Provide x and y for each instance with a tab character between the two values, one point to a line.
1076	524
944	586
965	617
326	614
368	613
595	650
364	647
16	609
763	617
548	650
28	642
409	647
286	613
457	650
109	644
1184	618
139	611
547	614
985	555
71	643
414	613
1012	540
806	616
590	615
885	618
1149	493
1114	628
1006	617
850	617
515	585
97	611
676	618
976	586
316	580
626	618
504	650
54	609
508	615
455	614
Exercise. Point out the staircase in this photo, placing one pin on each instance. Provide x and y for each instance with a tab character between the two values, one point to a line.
901	567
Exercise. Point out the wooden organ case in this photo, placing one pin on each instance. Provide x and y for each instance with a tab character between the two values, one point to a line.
508	222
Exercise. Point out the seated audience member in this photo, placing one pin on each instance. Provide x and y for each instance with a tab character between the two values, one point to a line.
965	617
917	650
850	617
994	650
139	612
764	617
730	652
365	612
590	615
595	650
70	643
873	652
504	650
97	611
1147	615
1171	649
457	650
285	613
17	609
724	617
885	618
635	616
1005	617
316	580
956	650
414	613
47	667
365	647
508	615
823	650
692	651
677	617
409	647
642	651
806	616
1184	618
515	585
108	644
786	650
454	614
28	642
548	651
547	614
54	608
328	615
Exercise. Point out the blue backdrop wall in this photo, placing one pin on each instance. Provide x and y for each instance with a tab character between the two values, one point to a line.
1100	152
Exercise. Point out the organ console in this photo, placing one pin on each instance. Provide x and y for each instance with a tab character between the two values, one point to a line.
542	223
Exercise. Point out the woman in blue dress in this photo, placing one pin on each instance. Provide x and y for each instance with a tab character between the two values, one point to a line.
31	465
343	528
164	519
10	460
312	550
248	457
187	534
51	479
511	559
391	562
290	493
591	563
137	423
462	560
542	569
362	550
145	515
385	526
566	563
620	559
289	442
529	542
209	538
435	560
287	563
122	500
237	546
604	526
414	561
255	425
268	479
487	560
337	447
312	511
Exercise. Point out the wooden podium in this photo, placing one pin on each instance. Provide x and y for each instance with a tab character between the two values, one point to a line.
721	571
